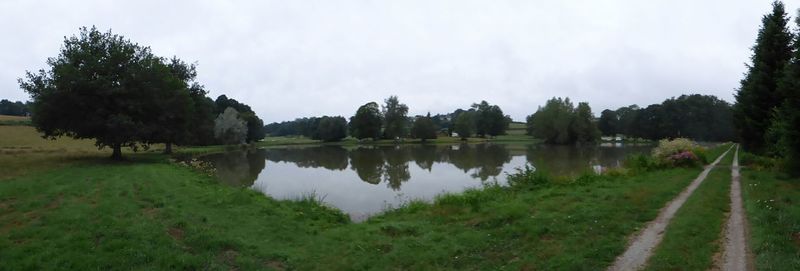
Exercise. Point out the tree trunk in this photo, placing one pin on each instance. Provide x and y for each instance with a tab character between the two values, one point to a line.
168	148
117	154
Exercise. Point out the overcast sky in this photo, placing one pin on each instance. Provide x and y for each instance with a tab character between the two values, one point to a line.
291	59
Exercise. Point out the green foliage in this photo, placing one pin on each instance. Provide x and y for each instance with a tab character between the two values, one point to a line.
116	92
609	123
489	120
395	118
641	163
255	126
367	122
201	123
584	126
783	136
14	108
528	178
423	128
331	129
700	117
772	203
627	118
465	124
758	95
758	162
559	122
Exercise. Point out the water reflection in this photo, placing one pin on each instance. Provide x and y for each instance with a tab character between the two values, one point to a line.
364	180
238	168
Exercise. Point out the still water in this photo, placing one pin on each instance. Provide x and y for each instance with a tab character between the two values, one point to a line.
365	180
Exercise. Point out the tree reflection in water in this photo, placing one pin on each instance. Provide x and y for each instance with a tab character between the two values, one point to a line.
238	168
372	164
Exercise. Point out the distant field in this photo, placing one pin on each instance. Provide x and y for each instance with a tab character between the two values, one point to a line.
23	150
13	118
516	128
14	137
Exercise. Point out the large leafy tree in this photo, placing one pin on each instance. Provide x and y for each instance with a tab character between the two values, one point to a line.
627	116
395	118
201	127
465	124
255	126
331	129
175	103
608	123
367	121
552	122
104	87
583	126
423	128
229	127
758	95
489	119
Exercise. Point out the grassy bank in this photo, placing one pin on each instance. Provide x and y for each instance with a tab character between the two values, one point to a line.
149	214
772	202
146	213
543	225
694	235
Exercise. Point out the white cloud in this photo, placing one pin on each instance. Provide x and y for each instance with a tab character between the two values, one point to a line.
291	59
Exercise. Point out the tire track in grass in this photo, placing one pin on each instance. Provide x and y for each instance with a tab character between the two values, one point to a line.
694	238
642	245
735	256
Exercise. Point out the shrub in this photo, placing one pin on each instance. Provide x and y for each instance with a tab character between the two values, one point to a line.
758	162
640	163
680	152
528	177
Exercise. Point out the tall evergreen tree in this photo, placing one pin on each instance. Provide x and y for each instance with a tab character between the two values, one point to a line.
784	132
758	95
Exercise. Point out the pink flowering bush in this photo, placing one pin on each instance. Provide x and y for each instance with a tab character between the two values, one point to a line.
680	152
683	159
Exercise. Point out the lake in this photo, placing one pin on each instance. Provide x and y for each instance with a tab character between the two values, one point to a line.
365	180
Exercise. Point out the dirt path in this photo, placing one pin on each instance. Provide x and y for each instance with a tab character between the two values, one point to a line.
641	247
735	255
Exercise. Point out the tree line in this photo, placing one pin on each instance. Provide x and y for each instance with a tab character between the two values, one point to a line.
699	117
14	108
767	109
104	87
391	121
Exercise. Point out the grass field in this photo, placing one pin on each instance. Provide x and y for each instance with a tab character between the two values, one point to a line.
772	202
149	214
14	120
74	209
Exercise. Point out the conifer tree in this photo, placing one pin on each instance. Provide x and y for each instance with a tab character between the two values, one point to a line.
758	95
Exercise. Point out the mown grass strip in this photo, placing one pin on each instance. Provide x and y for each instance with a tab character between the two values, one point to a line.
693	236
